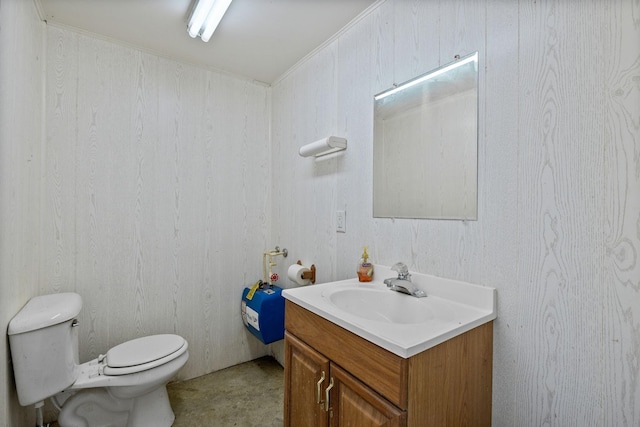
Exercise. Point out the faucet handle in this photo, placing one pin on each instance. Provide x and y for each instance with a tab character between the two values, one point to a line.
403	271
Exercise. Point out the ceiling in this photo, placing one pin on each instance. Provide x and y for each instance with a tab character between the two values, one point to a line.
259	39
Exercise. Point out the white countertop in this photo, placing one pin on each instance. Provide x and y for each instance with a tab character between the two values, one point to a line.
451	308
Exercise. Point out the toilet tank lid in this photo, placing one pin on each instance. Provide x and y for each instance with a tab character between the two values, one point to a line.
44	311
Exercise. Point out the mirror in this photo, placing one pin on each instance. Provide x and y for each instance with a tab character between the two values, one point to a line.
425	145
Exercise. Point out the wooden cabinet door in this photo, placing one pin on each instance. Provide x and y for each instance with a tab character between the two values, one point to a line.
304	369
353	404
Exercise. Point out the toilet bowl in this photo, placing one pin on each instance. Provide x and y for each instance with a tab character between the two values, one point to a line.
133	375
126	387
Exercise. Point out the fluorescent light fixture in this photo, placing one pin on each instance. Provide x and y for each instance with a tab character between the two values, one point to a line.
205	18
328	145
459	63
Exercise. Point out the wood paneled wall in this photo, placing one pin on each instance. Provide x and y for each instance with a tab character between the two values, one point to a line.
559	188
21	116
157	197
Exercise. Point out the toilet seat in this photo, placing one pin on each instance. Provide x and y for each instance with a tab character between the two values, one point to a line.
143	353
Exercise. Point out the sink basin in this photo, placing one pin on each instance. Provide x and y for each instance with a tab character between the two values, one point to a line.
382	305
400	323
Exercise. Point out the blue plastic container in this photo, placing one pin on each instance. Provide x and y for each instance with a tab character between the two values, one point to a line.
263	314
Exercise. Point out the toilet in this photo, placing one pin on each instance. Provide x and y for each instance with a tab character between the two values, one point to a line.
124	387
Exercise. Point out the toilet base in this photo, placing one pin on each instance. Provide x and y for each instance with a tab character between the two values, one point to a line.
152	410
98	408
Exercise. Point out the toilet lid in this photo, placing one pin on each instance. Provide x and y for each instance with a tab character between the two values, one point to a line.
143	350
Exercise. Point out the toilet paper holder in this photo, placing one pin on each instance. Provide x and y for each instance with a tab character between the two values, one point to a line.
309	275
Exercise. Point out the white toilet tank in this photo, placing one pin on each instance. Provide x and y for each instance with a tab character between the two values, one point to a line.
44	346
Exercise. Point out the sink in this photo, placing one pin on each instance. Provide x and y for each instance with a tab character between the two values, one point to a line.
382	305
400	323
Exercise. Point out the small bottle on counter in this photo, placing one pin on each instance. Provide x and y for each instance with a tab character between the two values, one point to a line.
365	268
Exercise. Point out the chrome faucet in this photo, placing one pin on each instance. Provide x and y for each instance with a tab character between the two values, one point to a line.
402	283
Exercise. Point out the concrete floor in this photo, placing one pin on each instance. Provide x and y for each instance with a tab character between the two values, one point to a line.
247	395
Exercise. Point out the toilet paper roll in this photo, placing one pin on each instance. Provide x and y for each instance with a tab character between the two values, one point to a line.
295	273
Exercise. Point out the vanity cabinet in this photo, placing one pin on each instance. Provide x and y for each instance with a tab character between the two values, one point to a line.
323	394
367	386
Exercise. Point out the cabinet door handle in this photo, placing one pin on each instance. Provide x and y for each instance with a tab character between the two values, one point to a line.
326	394
318	387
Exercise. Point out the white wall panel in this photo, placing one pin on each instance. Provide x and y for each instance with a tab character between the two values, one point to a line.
157	199
58	242
558	187
356	67
21	91
560	165
620	280
497	200
304	190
